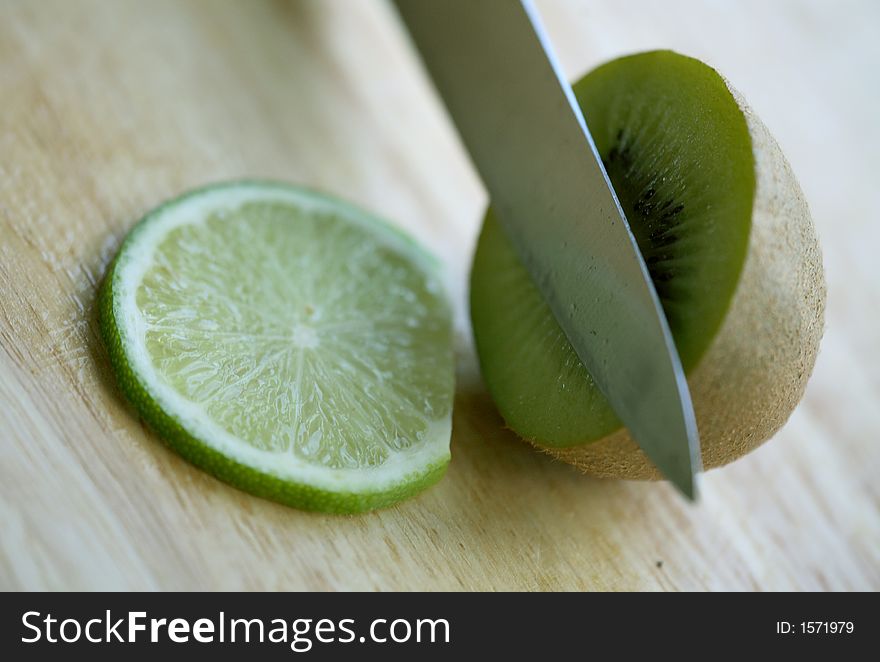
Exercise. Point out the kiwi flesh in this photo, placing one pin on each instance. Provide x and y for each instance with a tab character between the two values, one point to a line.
729	243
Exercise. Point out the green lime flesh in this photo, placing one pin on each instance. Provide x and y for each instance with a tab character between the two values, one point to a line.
286	342
677	149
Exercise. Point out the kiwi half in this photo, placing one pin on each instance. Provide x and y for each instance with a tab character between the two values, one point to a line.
729	243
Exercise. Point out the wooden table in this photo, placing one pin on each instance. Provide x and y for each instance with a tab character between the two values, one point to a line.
110	107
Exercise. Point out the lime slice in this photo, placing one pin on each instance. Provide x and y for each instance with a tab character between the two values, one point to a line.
287	343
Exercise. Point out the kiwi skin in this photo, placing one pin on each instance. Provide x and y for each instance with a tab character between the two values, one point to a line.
754	373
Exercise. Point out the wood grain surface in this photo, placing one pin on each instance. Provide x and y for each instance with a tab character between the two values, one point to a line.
110	107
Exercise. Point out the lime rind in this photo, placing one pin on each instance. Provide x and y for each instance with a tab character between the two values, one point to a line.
183	425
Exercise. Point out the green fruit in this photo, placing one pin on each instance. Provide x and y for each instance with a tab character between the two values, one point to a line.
287	343
729	243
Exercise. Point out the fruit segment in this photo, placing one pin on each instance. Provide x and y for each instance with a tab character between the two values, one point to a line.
286	342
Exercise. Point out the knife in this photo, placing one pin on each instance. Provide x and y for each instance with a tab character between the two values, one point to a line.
517	116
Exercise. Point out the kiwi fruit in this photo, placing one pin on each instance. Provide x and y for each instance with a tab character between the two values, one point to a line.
730	246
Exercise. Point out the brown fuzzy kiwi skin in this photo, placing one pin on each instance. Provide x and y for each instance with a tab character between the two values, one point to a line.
755	371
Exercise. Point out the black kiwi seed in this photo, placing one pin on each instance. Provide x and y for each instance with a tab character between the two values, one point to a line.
672	212
619	153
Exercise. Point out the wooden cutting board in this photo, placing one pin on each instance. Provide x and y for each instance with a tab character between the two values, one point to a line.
108	108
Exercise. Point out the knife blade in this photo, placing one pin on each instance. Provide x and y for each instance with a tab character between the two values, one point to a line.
517	116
